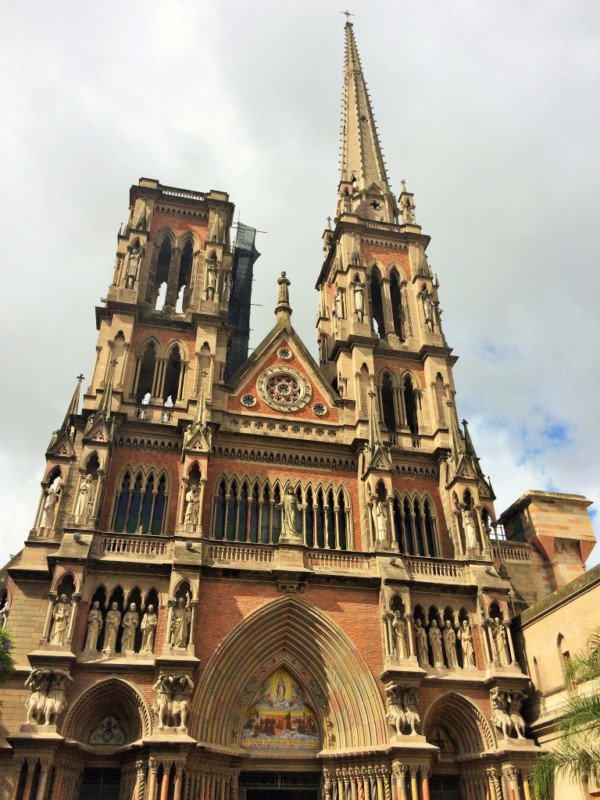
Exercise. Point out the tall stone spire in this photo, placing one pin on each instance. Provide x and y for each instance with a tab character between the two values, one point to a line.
283	310
73	405
362	166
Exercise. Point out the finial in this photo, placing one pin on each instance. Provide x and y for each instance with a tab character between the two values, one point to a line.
328	223
73	405
283	309
403	182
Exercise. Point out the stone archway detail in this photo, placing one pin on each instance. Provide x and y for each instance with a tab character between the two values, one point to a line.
464	720
291	633
108	696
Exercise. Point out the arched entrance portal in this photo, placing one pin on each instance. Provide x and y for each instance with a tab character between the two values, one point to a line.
279	785
460	731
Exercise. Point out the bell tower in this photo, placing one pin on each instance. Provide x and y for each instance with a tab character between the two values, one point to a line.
379	323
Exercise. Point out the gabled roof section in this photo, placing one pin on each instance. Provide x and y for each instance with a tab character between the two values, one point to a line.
282	349
362	160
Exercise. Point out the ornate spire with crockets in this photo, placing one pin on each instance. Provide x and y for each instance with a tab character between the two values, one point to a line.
73	406
361	161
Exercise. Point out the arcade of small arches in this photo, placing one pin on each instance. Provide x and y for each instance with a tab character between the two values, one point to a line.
399	402
249	510
141	502
160	373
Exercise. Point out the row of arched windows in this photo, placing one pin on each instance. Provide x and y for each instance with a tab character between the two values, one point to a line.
415	526
141	502
171	275
399	403
246	510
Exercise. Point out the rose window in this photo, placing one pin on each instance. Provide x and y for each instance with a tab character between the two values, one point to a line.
284	388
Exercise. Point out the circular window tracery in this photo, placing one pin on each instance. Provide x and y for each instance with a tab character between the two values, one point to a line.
284	353
284	388
248	400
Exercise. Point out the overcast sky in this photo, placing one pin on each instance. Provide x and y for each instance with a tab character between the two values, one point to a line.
490	111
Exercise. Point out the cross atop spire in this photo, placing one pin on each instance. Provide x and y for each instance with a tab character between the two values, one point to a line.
362	161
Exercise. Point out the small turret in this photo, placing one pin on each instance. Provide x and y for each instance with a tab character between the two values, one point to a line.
283	310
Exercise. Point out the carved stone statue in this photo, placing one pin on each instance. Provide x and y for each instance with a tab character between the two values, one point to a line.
50	503
3	614
359	300
514	710
148	628
60	620
428	308
500	711
111	628
381	521
339	305
450	645
288	517
435	639
408	212
193	505
173	699
500	641
212	278
469	525
94	626
283	296
180	704
133	267
82	504
402	712
47	699
399	628
465	636
180	621
421	637
130	622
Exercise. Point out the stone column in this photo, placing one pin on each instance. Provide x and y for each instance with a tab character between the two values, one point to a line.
399	781
526	789
178	782
28	781
511	647
48	621
75	605
164	787
414	787
425	782
194	605
153	769
410	632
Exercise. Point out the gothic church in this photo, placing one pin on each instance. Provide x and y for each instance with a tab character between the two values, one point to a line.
267	577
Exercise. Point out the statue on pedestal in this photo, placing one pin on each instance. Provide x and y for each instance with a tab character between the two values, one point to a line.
94	626
60	620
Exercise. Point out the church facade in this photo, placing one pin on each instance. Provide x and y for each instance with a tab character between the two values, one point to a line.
265	576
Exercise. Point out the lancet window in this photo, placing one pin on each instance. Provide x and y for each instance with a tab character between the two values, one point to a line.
415	526
247	510
184	277
411	400
377	303
396	298
141	502
158	291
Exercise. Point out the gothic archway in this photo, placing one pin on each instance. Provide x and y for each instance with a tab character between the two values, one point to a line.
291	634
108	699
464	721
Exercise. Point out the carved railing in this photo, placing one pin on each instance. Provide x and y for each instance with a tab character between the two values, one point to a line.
107	544
512	551
429	568
338	560
183	193
239	552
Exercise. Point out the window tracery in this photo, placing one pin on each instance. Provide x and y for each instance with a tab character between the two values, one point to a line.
415	526
140	504
247	510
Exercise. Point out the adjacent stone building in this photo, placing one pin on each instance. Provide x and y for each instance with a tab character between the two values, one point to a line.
267	576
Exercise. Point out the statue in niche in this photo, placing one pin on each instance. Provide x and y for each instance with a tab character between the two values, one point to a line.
500	641
50	503
435	639
381	521
60	620
465	636
450	644
421	637
359	300
148	628
133	266
469	523
408	212
212	277
288	516
130	622
111	628
94	626
3	614
180	621
162	704
193	505
399	628
48	695
428	308
339	305
84	498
